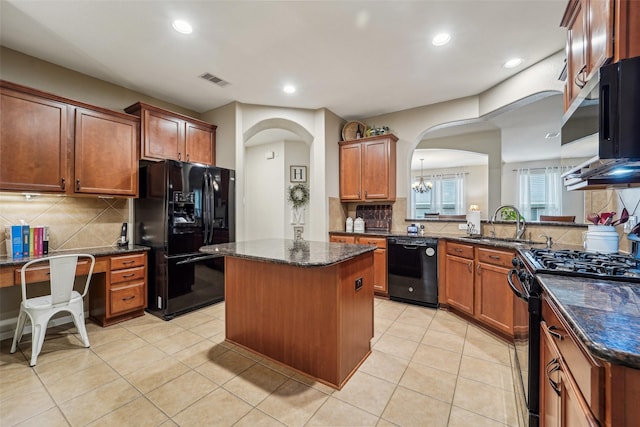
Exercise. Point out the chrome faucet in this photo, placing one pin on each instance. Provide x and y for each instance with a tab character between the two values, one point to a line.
520	223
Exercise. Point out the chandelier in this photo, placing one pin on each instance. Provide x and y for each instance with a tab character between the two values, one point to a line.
421	186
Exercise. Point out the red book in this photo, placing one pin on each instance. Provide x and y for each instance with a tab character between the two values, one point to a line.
37	244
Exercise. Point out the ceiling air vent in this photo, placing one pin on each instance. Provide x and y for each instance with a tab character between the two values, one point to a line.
213	79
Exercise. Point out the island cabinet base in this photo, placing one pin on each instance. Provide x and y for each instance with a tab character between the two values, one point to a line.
316	320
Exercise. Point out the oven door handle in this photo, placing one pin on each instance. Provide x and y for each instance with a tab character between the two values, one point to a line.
522	295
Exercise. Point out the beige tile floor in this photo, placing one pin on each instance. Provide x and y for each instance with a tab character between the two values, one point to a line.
427	368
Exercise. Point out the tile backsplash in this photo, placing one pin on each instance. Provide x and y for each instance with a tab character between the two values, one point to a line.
74	222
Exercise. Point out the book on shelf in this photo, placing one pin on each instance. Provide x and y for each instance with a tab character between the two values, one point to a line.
25	239
13	238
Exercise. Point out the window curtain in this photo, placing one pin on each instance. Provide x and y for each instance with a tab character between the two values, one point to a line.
523	191
554	191
461	195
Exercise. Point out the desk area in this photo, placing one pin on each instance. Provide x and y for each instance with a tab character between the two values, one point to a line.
118	289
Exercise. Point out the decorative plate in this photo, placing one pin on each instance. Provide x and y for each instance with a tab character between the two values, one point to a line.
350	130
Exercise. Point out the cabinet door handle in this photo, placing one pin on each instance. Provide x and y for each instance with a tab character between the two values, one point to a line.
478	268
365	194
187	157
552	331
128	298
470	266
128	262
179	156
358	194
458	250
494	256
63	183
78	184
128	275
578	80
551	367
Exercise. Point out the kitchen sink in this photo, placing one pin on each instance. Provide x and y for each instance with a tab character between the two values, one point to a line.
489	239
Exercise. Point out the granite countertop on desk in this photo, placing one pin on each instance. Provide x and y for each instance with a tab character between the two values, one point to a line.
604	314
97	251
300	253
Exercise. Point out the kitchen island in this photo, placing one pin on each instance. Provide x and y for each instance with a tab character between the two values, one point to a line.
308	305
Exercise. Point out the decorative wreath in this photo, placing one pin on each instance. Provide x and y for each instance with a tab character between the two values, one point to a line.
298	195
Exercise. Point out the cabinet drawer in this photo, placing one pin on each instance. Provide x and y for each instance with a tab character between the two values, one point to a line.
459	249
586	371
40	273
343	239
380	242
127	298
127	261
127	275
492	256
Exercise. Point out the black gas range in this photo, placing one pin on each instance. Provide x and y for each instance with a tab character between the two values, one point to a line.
525	286
583	264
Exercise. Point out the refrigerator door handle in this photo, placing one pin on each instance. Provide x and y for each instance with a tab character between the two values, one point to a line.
209	214
205	207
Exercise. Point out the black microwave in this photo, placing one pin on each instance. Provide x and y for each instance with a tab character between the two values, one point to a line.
607	107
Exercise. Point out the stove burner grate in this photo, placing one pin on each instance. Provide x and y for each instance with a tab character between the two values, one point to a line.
582	263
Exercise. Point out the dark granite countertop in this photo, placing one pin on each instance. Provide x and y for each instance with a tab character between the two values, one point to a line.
284	251
604	314
97	251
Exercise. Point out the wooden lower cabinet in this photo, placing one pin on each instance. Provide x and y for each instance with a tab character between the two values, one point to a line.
494	301
123	295
380	272
459	283
571	380
473	281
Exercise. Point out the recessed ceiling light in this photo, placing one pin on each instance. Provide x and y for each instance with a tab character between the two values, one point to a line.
512	63
182	27
552	135
289	89
441	39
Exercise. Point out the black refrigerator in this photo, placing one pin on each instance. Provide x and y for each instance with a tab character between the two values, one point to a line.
183	206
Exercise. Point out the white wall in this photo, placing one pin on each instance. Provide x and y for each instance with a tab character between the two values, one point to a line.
264	197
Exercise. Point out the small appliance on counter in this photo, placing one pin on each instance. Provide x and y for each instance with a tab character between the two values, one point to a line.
412	230
358	225
349	225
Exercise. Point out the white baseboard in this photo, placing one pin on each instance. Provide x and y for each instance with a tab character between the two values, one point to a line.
8	326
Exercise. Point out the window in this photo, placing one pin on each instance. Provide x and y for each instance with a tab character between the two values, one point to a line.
446	196
539	192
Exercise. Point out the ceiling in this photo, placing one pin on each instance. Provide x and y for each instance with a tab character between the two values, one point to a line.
356	58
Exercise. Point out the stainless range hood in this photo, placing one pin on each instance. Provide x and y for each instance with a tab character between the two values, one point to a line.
595	174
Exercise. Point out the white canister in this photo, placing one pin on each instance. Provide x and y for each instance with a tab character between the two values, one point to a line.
358	225
349	225
601	238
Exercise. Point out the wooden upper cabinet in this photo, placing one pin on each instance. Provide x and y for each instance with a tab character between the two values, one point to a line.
172	136
600	24
34	137
350	172
598	31
577	68
200	143
93	132
368	169
52	144
162	135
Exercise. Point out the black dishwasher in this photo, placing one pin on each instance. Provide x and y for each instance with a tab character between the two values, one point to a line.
413	270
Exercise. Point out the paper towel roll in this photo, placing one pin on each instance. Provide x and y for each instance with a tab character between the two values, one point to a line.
473	222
